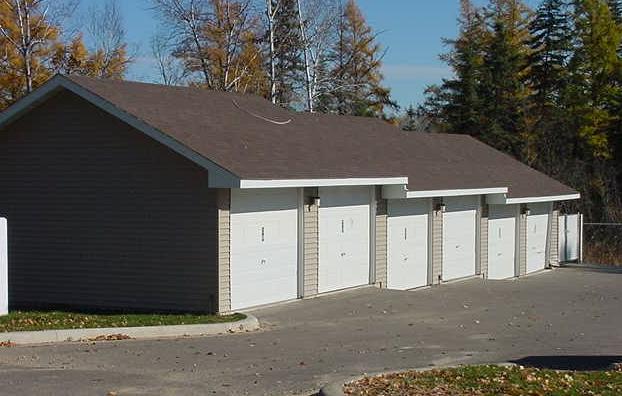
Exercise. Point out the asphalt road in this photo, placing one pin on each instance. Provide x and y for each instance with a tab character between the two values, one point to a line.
564	317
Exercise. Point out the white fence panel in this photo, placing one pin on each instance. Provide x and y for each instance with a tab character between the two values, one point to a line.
4	268
569	238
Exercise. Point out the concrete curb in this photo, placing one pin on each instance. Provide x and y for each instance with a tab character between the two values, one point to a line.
148	332
336	388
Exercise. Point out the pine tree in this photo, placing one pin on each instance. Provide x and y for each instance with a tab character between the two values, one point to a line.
595	67
593	100
358	59
616	10
505	65
288	45
462	111
409	119
551	133
551	45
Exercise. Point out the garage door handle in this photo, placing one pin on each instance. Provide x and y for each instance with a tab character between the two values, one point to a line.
343	254
263	262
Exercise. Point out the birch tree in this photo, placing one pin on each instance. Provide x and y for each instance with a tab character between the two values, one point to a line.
110	57
233	53
271	11
185	19
29	36
217	42
170	69
318	22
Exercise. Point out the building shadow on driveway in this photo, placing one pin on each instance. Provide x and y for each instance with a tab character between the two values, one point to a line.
571	362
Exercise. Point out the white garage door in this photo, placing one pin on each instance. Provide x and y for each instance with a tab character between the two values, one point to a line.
502	241
344	237
459	236
407	243
537	231
264	246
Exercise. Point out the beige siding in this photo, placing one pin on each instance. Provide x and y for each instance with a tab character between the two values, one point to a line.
483	243
381	242
311	244
522	244
437	243
554	239
224	256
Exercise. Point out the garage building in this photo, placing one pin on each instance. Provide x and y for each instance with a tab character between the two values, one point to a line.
130	196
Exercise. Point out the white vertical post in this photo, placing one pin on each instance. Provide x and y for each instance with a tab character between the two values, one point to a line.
581	238
373	207
4	268
301	243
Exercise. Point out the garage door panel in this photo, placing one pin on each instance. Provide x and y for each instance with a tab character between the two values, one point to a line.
264	247
459	236
344	219
502	241
407	244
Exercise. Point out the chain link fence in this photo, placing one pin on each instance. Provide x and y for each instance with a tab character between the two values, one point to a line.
602	243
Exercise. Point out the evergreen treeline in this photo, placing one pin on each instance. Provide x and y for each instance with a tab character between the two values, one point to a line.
543	85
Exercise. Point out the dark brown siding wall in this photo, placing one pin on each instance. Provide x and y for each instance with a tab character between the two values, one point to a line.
102	216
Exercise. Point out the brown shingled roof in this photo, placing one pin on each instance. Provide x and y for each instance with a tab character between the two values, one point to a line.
235	132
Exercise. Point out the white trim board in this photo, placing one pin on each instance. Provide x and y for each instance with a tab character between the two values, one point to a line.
401	192
502	199
280	183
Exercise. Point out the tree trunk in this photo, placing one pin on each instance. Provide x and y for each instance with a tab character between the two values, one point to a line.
270	13
305	47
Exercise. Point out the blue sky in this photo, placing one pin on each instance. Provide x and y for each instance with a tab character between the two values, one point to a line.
411	32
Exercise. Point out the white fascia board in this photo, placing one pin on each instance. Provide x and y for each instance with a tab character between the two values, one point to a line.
219	177
283	183
456	193
550	198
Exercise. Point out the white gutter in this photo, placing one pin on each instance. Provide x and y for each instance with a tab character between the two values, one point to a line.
282	183
502	199
455	193
401	192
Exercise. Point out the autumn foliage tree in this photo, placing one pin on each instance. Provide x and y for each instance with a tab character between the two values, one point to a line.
358	60
217	42
33	50
29	41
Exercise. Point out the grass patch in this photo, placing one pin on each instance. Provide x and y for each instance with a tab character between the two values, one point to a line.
490	380
56	320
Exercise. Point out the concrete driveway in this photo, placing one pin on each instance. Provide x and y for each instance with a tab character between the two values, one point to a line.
566	312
